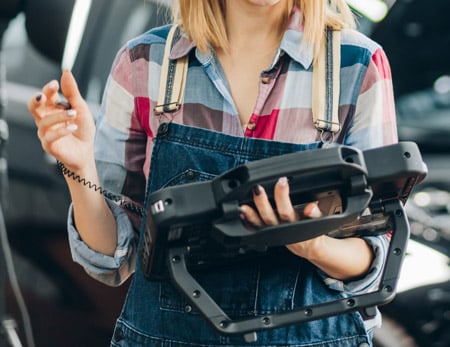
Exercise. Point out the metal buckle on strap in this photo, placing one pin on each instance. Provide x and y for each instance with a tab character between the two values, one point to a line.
327	125
167	108
324	141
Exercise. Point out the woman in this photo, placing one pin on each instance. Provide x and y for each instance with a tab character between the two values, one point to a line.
249	81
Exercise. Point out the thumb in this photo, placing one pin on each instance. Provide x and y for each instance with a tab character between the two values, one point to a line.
69	88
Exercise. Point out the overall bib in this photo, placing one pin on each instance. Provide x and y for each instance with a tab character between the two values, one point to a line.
155	314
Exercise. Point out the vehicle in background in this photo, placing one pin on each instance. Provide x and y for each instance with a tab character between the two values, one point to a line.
66	307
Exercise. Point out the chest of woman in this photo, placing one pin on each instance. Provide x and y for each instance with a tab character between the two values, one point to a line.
272	104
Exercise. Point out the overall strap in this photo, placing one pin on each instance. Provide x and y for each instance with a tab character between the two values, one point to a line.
326	84
173	78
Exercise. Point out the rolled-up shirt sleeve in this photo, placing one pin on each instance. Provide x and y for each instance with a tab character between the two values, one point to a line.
380	246
111	270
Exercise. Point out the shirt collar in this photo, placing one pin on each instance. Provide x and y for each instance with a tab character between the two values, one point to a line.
290	43
181	48
184	46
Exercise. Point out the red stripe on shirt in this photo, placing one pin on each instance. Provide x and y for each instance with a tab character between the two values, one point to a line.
380	60
264	125
142	107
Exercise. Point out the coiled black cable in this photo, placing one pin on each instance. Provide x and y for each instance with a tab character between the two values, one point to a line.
129	205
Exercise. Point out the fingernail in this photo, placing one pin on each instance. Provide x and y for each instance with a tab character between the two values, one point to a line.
282	181
72	127
71	113
315	212
53	84
257	190
38	97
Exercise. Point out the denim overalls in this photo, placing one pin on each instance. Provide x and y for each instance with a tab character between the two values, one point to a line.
155	314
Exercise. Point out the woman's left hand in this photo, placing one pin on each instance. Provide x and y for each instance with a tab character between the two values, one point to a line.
340	258
284	212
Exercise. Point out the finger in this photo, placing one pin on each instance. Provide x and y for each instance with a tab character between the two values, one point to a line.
38	106
57	118
49	137
264	206
312	210
47	125
47	97
70	90
286	211
50	91
249	215
34	103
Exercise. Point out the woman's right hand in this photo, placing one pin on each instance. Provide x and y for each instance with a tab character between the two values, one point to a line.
67	135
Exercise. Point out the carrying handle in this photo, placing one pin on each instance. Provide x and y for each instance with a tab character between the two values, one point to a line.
248	326
332	166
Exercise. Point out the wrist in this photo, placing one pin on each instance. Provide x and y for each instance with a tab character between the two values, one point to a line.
86	175
311	250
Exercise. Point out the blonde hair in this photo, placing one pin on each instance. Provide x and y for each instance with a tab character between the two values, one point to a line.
204	20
